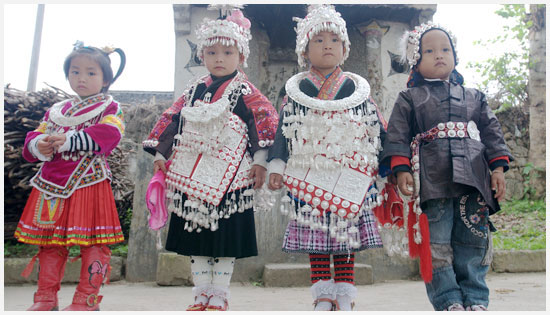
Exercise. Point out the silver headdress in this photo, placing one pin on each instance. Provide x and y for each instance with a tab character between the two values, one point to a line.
320	17
410	42
233	30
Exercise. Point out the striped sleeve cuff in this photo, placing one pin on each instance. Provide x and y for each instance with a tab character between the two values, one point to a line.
79	141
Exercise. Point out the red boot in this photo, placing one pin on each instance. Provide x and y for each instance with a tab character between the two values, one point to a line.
52	262
95	268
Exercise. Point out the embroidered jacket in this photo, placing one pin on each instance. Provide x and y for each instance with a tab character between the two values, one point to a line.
253	108
209	135
65	172
449	167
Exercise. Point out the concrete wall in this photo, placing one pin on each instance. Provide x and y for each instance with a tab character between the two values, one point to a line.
270	65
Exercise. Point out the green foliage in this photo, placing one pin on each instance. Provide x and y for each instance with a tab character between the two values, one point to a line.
529	172
126	222
535	207
521	224
13	249
505	77
120	249
530	240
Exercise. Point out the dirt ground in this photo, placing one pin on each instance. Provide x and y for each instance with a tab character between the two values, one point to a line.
509	292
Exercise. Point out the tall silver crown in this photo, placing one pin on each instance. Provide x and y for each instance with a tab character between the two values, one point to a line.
320	17
233	30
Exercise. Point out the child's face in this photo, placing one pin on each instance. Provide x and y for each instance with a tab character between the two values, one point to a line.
221	60
437	56
85	76
325	51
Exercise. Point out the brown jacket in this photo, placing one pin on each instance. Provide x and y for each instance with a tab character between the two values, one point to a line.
448	167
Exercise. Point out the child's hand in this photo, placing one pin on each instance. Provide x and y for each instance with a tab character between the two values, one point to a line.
275	181
498	184
160	165
45	147
405	183
57	140
257	173
392	179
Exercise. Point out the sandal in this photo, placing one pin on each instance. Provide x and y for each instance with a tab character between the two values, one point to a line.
198	306
217	308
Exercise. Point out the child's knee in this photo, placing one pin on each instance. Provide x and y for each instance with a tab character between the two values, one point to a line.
442	255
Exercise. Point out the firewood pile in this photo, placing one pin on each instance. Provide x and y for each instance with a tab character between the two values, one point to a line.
23	112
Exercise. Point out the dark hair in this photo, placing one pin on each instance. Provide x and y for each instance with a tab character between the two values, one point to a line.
102	59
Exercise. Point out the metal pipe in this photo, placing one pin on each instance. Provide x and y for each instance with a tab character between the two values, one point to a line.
33	71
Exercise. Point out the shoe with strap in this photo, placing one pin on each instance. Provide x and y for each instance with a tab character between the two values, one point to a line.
94	270
201	305
455	307
324	295
325	306
476	308
219	299
52	262
345	293
216	307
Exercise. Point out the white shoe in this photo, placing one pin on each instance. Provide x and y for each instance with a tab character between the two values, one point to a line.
323	293
455	307
345	293
476	308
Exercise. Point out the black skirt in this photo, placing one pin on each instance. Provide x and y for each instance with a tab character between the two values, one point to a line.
235	237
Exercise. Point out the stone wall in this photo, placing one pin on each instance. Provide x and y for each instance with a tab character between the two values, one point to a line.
515	127
272	61
142	110
374	32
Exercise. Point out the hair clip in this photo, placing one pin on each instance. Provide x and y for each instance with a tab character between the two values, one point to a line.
108	49
78	44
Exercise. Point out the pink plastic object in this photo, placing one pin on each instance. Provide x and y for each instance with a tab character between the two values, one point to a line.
155	199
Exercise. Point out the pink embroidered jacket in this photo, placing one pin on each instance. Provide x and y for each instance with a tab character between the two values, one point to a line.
253	108
61	177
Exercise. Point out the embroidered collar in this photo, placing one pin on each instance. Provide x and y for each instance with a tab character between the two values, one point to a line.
327	86
318	79
361	93
203	112
71	117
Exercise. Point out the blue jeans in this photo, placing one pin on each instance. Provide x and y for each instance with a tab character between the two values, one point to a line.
461	248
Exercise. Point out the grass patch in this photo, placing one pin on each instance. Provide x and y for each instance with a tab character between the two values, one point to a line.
521	224
14	249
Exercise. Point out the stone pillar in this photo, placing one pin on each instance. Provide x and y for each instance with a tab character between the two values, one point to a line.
373	33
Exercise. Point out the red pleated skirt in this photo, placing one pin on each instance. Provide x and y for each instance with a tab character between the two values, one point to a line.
86	218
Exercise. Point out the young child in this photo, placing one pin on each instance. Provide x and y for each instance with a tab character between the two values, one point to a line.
71	202
325	155
457	157
222	126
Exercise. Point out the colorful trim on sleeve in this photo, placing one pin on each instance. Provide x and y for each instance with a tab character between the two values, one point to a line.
504	157
116	121
265	116
42	127
163	122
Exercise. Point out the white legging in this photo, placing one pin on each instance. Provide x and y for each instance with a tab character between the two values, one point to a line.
211	270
